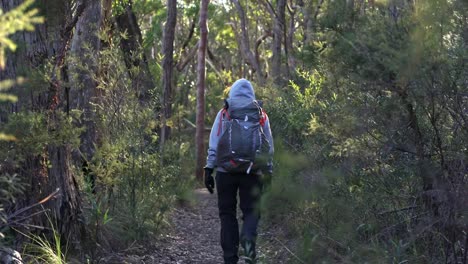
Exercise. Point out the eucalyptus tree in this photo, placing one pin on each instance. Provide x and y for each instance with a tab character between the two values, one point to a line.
46	164
136	60
168	68
202	44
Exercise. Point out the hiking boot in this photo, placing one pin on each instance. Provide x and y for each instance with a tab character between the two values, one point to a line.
249	260
249	252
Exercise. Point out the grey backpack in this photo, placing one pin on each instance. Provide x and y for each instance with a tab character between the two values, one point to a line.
243	146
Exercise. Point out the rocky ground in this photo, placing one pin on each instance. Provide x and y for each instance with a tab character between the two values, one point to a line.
194	238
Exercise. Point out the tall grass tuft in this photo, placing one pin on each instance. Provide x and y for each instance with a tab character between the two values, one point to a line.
44	249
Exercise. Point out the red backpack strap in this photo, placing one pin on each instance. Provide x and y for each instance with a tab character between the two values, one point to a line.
220	124
263	118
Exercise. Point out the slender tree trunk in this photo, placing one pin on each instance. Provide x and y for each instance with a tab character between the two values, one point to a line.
168	68
200	130
259	42
428	178
188	57
191	32
278	34
309	21
289	42
306	23
133	54
248	55
84	50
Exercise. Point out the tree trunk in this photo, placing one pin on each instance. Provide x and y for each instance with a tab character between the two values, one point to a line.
309	22
133	54
248	55
199	137
168	68
289	42
34	48
67	208
51	170
84	51
278	34
427	176
259	42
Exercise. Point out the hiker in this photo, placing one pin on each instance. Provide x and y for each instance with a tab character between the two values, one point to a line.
241	151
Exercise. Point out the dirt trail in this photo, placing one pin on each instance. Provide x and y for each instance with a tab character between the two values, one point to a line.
194	239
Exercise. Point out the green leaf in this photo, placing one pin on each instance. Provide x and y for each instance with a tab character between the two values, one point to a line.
5	137
8	97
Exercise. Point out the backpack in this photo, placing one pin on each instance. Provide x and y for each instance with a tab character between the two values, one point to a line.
243	146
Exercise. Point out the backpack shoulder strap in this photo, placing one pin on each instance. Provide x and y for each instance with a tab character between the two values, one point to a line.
263	118
224	113
263	115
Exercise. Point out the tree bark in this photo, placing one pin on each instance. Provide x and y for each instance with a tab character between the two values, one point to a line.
309	22
289	42
134	56
66	208
191	32
278	34
188	57
34	48
248	55
84	50
259	42
200	120
428	178
51	170
168	68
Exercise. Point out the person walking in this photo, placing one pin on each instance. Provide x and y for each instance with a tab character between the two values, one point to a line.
241	151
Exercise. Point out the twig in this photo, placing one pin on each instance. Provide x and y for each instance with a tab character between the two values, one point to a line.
31	226
190	55
397	210
22	210
190	123
290	252
131	246
18	221
10	218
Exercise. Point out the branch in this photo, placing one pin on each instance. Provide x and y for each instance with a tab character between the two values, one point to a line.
319	6
249	56
397	210
212	57
183	62
192	30
291	9
212	65
68	31
270	8
10	218
67	34
259	41
193	126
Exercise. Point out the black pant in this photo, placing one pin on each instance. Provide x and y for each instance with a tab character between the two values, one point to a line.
249	187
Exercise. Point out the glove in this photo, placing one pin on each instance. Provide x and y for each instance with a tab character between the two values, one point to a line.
209	180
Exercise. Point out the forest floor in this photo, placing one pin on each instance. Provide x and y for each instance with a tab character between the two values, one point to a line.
193	237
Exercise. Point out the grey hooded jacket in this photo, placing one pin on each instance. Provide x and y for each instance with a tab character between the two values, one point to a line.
241	90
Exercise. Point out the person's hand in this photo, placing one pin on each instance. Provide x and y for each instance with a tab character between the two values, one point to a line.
209	180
